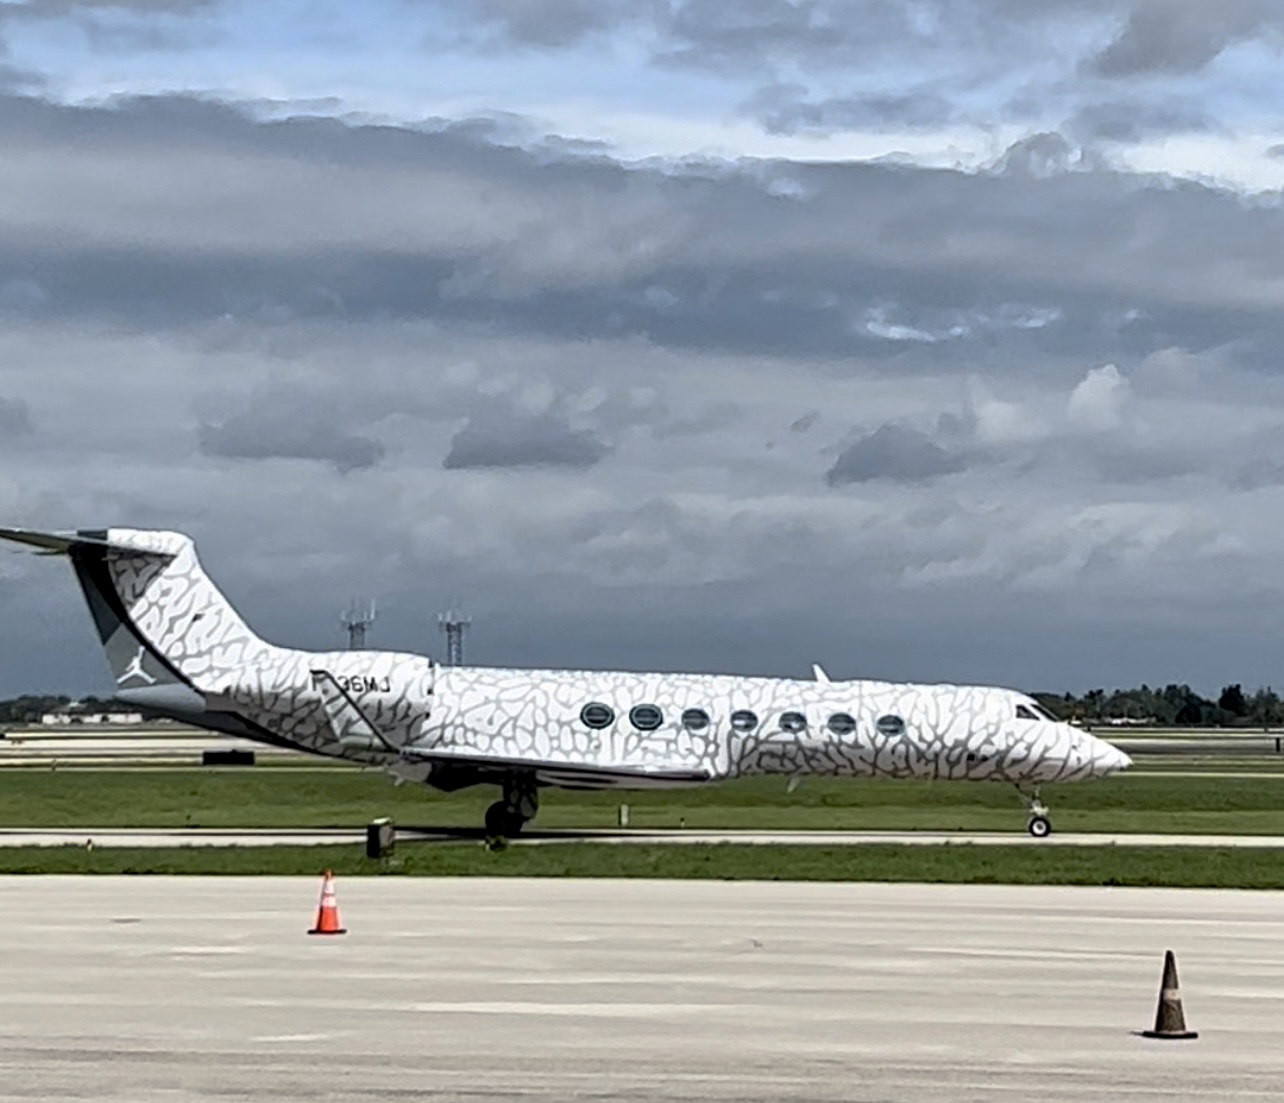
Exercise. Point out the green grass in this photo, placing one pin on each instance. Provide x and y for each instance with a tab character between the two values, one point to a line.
1200	867
1245	804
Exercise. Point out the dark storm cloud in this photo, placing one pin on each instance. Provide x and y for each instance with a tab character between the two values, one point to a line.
894	452
169	210
1181	36
277	428
509	439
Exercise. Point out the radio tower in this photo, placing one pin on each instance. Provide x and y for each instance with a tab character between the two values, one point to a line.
356	620
452	624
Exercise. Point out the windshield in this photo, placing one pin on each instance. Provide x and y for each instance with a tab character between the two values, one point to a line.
1032	710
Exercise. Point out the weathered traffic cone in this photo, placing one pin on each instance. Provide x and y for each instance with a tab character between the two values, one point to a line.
1170	1022
328	910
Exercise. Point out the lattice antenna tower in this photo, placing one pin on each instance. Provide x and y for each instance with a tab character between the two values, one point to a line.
356	619
453	624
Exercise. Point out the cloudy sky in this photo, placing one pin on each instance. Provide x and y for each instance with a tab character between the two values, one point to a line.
928	339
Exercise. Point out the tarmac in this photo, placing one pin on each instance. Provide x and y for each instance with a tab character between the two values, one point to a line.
152	838
178	989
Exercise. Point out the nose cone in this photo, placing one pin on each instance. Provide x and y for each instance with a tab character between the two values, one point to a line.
1106	758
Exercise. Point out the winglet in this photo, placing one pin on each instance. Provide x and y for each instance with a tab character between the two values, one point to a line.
818	672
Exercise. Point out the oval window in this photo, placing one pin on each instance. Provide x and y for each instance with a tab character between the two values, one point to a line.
645	717
890	725
695	720
793	722
842	723
597	715
742	720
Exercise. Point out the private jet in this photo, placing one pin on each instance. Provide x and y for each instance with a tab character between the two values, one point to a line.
177	647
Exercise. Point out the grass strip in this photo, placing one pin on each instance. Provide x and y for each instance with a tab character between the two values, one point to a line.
1176	867
341	798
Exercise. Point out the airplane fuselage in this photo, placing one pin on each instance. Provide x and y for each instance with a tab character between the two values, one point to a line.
176	645
620	728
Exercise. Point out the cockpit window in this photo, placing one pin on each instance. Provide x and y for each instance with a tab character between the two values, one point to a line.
1025	712
1031	711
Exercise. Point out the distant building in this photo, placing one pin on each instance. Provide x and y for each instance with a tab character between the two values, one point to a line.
67	719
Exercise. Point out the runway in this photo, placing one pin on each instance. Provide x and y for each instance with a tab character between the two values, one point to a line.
158	838
149	745
195	989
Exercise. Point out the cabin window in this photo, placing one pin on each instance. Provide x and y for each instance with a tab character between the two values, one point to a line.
695	720
597	715
842	723
645	717
890	725
742	720
793	722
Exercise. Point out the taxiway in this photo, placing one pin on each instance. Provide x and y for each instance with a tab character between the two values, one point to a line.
191	989
153	838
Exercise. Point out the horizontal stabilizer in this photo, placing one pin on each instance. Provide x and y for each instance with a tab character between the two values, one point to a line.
52	542
61	543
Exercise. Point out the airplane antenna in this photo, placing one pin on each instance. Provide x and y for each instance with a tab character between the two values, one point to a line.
453	624
356	619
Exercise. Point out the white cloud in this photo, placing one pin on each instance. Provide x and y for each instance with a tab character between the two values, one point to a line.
999	423
1097	403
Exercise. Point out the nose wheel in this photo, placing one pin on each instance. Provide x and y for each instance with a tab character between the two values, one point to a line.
1038	822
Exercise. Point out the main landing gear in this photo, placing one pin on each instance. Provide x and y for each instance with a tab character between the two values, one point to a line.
508	815
1039	823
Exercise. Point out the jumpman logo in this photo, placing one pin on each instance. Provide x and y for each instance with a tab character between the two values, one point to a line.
135	670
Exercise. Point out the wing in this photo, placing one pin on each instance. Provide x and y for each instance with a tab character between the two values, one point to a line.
567	775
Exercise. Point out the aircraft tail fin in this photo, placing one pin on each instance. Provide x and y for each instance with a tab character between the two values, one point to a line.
165	628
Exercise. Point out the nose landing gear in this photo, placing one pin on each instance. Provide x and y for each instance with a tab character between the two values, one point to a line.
1038	823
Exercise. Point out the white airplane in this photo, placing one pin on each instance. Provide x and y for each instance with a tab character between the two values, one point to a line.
175	644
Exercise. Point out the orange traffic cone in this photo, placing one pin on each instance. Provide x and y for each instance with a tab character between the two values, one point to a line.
1170	1020
328	910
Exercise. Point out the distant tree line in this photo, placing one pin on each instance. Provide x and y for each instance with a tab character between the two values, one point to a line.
1176	706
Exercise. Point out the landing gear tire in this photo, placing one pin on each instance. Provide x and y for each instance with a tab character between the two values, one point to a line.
1037	823
502	822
